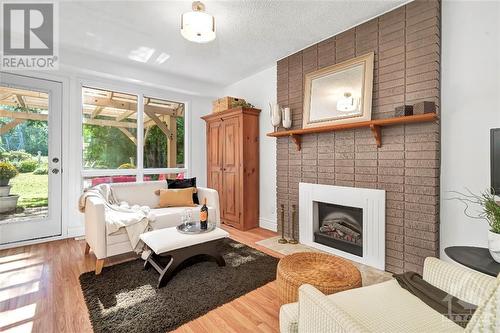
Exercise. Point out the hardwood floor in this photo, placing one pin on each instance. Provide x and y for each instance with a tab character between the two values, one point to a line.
40	291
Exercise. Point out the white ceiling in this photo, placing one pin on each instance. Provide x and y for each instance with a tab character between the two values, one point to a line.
251	35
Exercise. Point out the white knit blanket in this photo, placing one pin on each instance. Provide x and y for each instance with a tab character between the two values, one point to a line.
135	219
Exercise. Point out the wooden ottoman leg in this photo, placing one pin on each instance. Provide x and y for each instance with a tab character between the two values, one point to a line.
87	248
99	263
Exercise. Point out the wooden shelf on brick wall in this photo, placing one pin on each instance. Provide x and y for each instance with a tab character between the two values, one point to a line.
374	125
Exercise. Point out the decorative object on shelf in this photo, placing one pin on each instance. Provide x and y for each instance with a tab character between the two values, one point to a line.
374	125
294	217
275	115
404	110
424	107
287	117
242	103
490	211
339	94
226	103
282	240
198	26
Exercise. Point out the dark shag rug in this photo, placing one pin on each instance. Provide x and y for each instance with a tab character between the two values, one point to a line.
124	297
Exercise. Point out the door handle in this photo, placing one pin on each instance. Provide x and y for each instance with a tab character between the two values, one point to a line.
55	160
55	171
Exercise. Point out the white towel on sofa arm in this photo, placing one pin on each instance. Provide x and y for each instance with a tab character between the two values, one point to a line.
135	219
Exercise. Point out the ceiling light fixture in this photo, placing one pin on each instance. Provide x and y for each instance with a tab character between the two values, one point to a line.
198	26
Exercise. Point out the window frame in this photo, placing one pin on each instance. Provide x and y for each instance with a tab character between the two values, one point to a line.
139	172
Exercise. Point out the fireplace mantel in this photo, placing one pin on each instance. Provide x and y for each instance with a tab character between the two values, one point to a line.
371	201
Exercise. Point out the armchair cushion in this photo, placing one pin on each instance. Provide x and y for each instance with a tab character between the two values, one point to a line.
386	307
465	284
289	318
487	316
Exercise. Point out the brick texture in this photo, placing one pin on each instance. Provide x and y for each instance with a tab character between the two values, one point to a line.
406	42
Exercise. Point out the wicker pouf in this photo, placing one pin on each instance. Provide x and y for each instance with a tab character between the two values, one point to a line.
328	273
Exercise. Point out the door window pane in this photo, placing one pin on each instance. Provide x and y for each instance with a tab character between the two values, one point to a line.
24	135
109	129
163	133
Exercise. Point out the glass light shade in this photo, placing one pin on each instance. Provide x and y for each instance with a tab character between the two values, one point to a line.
198	27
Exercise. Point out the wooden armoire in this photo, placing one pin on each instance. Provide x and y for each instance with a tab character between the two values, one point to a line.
233	164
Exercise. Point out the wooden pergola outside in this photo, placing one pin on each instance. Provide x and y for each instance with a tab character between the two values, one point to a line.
101	108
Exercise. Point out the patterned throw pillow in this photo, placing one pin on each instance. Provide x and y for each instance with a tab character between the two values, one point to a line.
487	316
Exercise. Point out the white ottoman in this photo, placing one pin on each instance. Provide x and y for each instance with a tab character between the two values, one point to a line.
171	247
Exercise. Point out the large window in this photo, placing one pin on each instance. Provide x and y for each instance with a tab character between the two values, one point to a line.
122	142
164	134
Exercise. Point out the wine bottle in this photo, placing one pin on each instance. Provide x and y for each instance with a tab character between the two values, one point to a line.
204	215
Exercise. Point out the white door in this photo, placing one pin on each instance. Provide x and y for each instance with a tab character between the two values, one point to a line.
30	141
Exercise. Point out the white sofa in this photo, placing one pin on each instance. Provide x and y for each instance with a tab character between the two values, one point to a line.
104	245
386	307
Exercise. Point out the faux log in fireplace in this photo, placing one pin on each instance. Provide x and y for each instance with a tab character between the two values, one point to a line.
340	227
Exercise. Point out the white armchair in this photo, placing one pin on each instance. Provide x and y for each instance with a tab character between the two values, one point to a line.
104	245
386	307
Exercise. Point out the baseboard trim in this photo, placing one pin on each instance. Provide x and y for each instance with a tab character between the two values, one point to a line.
76	232
268	224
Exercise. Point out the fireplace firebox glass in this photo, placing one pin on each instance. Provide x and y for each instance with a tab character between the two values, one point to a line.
339	227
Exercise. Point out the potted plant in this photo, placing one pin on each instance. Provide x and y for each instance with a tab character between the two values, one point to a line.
490	211
7	171
7	202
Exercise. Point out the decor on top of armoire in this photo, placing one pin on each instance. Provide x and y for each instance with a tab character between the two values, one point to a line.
227	102
233	164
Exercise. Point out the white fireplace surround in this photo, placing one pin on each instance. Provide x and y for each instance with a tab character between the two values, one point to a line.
371	201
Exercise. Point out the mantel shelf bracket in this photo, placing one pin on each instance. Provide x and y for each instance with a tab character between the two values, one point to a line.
297	139
377	133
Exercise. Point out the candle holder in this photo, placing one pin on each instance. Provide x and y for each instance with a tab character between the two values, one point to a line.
294	213
282	240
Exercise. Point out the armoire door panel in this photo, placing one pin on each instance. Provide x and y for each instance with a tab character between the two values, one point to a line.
214	156
230	155
230	164
215	142
215	181
230	199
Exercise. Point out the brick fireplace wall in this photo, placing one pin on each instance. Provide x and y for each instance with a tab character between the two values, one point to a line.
406	42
